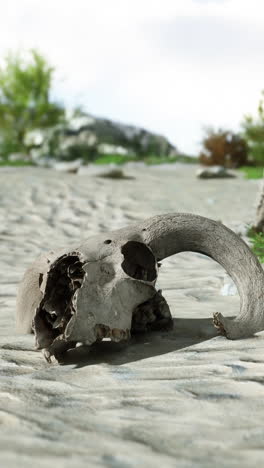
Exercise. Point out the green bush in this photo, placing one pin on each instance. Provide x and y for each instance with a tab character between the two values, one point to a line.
254	135
257	244
25	102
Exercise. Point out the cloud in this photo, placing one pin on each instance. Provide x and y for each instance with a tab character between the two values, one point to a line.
208	40
169	65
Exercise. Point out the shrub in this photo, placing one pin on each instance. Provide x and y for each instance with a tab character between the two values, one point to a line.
223	148
25	102
257	243
254	135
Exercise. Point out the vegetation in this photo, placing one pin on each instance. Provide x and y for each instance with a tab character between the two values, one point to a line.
150	160
223	148
257	243
168	160
252	172
25	102
19	163
114	159
254	134
26	105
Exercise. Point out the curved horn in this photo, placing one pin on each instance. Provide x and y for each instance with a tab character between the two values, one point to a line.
173	233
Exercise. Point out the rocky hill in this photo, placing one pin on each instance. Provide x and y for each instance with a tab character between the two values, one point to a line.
85	136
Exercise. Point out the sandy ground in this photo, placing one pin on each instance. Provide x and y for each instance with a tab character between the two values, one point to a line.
185	398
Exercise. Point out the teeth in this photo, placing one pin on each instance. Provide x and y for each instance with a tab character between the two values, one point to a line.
123	334
119	335
102	331
116	334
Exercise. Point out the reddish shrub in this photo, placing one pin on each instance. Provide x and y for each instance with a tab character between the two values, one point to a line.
224	148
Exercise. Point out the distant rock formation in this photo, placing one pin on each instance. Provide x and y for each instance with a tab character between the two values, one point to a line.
85	136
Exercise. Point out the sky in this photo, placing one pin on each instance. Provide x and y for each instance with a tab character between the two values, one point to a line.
173	67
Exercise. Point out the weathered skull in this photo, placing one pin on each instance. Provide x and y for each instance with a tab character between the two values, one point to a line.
106	286
102	289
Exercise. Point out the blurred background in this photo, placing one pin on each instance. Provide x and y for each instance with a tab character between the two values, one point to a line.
115	80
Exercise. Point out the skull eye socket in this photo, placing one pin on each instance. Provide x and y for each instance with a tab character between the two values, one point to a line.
56	307
139	262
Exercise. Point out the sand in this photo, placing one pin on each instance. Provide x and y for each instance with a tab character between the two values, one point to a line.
184	398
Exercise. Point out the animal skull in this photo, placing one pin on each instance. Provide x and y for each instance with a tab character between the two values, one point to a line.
106	286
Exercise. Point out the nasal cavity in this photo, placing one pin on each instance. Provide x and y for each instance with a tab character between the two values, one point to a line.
139	262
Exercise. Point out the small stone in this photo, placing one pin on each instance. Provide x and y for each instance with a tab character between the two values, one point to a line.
213	172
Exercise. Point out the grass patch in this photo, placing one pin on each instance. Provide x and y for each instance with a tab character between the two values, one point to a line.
252	172
149	160
117	159
114	159
16	163
257	240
